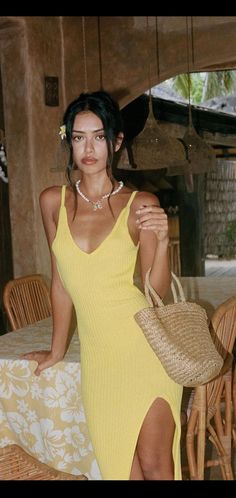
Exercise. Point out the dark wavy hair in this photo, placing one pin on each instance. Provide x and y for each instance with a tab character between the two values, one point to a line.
107	109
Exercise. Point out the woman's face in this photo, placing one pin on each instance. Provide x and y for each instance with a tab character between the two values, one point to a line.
88	142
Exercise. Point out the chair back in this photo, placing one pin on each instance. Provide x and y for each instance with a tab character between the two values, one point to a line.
26	300
211	409
223	327
17	465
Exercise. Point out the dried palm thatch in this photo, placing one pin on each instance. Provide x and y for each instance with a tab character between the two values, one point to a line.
220	210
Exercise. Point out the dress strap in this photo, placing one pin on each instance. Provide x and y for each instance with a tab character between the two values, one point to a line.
63	193
127	207
131	199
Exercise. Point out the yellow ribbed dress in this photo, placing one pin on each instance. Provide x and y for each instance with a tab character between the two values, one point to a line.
120	374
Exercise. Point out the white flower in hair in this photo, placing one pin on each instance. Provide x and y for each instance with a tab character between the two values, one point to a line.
62	132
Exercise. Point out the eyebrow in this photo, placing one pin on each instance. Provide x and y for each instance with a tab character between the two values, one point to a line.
94	131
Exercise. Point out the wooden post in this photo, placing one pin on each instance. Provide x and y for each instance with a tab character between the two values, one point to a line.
191	221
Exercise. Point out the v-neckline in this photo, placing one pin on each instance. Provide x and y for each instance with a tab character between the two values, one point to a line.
107	236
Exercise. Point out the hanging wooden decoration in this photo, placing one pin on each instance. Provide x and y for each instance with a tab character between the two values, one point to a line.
200	155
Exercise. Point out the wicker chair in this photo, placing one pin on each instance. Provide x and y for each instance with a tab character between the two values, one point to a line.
26	300
17	465
234	406
211	410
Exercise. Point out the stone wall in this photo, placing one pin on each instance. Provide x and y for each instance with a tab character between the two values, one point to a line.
117	56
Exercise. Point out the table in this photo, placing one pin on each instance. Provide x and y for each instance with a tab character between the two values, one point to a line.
44	415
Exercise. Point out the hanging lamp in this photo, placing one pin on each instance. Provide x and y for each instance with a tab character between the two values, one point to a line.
153	148
199	154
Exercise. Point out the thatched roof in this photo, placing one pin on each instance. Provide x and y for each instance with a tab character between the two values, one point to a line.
220	210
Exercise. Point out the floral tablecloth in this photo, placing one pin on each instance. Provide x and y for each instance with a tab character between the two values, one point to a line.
44	415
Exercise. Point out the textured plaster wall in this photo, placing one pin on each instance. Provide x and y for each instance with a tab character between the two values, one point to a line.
44	54
117	57
16	84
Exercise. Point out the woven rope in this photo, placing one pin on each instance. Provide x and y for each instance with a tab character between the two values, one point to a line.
179	335
17	465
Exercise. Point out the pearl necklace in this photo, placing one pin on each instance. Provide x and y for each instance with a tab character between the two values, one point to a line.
98	204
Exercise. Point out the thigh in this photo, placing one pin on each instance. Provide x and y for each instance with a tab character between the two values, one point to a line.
157	433
136	471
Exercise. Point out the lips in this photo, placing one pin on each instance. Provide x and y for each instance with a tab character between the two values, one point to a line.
89	160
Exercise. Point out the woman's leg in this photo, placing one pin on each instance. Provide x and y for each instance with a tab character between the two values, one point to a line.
136	471
154	446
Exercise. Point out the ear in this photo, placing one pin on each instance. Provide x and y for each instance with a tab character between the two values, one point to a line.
119	141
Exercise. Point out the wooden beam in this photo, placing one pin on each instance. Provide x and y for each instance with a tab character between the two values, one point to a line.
220	139
225	152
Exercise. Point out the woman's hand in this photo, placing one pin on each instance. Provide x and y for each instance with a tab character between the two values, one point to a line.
153	218
45	359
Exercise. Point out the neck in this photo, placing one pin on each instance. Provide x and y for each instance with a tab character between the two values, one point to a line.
95	186
98	203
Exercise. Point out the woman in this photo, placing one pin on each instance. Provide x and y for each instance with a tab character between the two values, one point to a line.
95	230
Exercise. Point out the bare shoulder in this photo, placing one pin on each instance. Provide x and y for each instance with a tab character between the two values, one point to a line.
50	198
143	198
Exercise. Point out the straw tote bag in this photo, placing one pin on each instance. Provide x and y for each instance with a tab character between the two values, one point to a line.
179	335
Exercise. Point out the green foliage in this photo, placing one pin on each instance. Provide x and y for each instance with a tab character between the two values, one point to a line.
180	84
197	88
231	231
218	84
204	86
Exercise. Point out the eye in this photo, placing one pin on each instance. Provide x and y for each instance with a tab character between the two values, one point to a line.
77	138
100	137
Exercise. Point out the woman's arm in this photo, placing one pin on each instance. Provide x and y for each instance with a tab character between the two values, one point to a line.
152	223
60	300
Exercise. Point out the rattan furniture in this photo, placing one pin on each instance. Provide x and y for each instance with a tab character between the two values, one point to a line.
234	406
26	300
211	410
17	465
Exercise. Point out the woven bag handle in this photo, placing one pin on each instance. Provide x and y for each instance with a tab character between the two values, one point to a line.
153	298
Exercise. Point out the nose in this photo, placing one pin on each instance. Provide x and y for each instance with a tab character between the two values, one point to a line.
88	145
